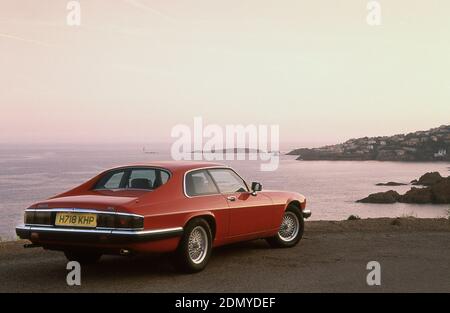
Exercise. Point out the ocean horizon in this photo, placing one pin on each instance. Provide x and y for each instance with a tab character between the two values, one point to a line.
36	172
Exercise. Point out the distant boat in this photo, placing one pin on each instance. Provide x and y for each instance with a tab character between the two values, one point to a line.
147	151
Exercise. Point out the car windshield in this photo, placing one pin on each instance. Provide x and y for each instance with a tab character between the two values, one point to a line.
133	178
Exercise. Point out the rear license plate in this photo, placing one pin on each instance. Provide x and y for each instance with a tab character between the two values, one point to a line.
76	219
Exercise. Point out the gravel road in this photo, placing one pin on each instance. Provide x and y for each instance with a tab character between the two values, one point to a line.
413	253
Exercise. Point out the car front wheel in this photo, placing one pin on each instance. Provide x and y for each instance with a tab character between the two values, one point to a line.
195	246
291	229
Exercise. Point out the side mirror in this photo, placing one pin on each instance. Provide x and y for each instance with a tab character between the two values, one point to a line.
256	187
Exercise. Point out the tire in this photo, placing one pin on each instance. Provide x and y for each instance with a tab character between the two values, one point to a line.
83	257
195	247
289	237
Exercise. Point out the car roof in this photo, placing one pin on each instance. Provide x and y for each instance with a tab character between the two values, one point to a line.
175	166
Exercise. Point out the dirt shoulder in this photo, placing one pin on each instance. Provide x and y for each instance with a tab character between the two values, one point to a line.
332	257
409	224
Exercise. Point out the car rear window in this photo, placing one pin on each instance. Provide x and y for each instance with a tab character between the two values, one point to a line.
133	178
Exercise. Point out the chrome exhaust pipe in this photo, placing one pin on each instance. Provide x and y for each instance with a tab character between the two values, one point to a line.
125	252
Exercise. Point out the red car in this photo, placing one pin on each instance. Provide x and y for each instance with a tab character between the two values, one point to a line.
181	207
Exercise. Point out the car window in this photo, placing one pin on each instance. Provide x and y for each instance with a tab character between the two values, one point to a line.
164	177
114	181
199	183
133	178
228	181
141	179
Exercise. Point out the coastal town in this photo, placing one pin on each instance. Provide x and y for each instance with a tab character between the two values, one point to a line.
429	145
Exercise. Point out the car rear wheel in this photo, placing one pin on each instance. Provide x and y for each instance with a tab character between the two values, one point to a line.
83	257
195	246
291	229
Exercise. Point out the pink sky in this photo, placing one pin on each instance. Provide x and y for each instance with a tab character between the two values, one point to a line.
136	68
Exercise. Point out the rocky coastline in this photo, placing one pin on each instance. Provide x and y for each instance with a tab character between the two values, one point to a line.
430	145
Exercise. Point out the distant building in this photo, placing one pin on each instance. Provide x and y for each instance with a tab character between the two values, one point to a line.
412	141
441	153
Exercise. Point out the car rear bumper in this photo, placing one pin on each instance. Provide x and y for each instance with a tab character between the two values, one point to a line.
306	213
50	233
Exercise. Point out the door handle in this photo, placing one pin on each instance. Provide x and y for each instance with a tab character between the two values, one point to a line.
231	198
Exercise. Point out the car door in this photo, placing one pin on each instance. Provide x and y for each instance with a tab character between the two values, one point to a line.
203	194
249	213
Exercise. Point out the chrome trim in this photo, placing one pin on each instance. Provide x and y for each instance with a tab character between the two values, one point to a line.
306	213
210	168
112	231
78	210
63	230
147	232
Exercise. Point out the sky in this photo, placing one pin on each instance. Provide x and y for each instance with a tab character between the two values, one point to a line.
134	69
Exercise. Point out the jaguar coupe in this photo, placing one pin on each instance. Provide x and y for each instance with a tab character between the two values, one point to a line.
186	208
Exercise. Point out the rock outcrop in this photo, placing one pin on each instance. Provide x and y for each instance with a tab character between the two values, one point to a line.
417	195
437	191
428	179
390	196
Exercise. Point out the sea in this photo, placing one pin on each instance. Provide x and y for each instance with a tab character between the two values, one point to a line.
36	172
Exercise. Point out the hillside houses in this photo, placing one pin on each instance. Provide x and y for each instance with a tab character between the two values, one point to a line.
427	145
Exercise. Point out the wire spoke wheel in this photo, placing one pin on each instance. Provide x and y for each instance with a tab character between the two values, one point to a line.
198	245
289	227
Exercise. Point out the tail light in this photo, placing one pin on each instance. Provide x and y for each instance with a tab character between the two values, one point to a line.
106	220
38	218
129	221
120	221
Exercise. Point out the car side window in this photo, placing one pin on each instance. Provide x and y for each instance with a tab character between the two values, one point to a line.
114	181
228	181
164	177
199	183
